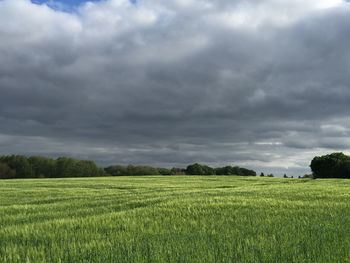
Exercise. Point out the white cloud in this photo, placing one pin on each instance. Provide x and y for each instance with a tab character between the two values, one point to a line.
254	14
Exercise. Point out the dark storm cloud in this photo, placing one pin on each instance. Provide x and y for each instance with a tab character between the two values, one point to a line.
260	84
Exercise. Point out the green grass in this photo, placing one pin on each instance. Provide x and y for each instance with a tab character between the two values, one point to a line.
175	219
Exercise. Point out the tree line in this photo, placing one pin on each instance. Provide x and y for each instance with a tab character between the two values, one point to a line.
19	166
335	165
193	169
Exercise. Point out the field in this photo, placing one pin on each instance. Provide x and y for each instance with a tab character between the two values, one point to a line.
175	219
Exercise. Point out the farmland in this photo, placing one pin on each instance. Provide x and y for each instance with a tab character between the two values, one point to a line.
174	219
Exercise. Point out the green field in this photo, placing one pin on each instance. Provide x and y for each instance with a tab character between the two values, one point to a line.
175	219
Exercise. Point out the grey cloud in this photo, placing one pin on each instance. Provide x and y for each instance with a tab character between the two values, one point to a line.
176	82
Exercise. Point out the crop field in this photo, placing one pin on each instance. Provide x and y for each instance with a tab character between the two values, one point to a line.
175	219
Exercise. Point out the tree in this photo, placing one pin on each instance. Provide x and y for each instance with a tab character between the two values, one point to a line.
194	169
6	172
19	164
335	165
116	170
69	167
42	166
262	174
234	170
65	167
247	172
164	171
177	171
141	170
85	168
199	169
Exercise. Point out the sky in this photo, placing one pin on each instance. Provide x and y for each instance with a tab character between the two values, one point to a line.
67	2
262	84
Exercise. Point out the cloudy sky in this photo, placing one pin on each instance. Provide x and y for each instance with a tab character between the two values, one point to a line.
261	83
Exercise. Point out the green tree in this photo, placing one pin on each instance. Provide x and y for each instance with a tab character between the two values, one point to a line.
65	167
19	164
164	171
6	172
85	168
42	166
199	169
335	165
116	170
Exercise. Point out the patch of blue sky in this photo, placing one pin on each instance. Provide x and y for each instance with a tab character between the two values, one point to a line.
69	2
67	5
65	2
61	5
